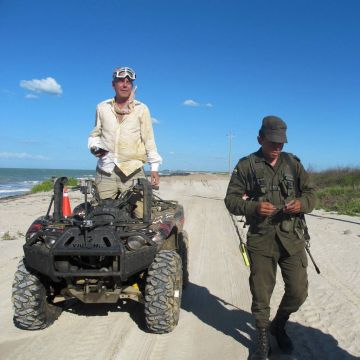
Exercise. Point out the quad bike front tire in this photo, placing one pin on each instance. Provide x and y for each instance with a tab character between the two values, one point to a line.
183	242
32	308
163	292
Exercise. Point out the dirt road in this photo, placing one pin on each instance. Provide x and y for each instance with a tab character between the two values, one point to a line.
215	321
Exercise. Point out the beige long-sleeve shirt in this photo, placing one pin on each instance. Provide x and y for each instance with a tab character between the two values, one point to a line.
130	142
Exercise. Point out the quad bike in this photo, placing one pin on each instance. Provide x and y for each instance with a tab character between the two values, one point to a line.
102	253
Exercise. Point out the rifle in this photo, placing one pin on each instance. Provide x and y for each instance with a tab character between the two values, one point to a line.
307	242
242	246
307	239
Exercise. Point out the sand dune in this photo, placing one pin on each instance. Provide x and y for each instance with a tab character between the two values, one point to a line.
215	320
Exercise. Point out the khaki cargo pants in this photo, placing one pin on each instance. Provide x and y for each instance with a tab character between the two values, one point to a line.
263	277
109	186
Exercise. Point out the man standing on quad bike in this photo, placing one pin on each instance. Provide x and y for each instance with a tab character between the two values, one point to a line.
278	193
123	140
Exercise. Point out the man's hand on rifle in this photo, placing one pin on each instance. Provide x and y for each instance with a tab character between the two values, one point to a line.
292	207
265	208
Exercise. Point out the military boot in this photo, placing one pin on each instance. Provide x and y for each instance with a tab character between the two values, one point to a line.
277	329
263	350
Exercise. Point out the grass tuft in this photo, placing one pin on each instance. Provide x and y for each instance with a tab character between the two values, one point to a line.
48	185
7	236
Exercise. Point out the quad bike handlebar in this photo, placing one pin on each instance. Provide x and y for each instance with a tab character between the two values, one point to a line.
88	187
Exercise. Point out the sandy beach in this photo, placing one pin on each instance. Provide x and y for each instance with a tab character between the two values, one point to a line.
215	320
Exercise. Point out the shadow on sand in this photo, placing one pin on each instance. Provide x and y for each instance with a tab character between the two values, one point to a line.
133	308
309	343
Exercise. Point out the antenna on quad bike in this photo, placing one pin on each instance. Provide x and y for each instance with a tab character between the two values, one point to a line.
86	187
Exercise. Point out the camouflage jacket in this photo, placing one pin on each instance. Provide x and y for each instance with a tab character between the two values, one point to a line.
259	181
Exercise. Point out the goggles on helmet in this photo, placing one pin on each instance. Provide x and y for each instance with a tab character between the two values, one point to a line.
123	72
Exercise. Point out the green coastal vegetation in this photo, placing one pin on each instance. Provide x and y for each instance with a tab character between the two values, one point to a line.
48	185
338	190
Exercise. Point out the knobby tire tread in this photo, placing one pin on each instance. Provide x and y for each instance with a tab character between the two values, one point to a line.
163	292
32	311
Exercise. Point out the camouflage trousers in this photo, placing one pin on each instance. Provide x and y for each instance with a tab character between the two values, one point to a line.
263	278
109	186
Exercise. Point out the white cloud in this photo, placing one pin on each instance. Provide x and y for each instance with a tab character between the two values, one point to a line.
48	86
23	155
31	96
155	121
190	102
172	152
194	103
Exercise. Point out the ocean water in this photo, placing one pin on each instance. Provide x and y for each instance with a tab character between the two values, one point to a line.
20	181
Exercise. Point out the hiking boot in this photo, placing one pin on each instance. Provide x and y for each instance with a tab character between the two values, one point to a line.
277	329
263	350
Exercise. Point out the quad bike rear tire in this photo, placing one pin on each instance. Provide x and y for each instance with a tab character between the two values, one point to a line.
163	292
183	241
32	308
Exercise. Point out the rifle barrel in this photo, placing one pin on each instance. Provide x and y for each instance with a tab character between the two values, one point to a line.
312	259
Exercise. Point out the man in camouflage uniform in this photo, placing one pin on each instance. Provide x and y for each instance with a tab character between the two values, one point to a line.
272	189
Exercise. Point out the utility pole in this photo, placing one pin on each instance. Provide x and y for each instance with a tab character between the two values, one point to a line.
230	136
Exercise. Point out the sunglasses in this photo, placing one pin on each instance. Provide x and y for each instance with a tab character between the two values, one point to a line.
124	72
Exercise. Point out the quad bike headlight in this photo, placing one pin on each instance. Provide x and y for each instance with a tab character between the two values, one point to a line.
135	242
49	241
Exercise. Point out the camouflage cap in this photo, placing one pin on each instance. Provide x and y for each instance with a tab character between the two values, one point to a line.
274	129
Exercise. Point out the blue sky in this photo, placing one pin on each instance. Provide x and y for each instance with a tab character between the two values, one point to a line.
204	68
